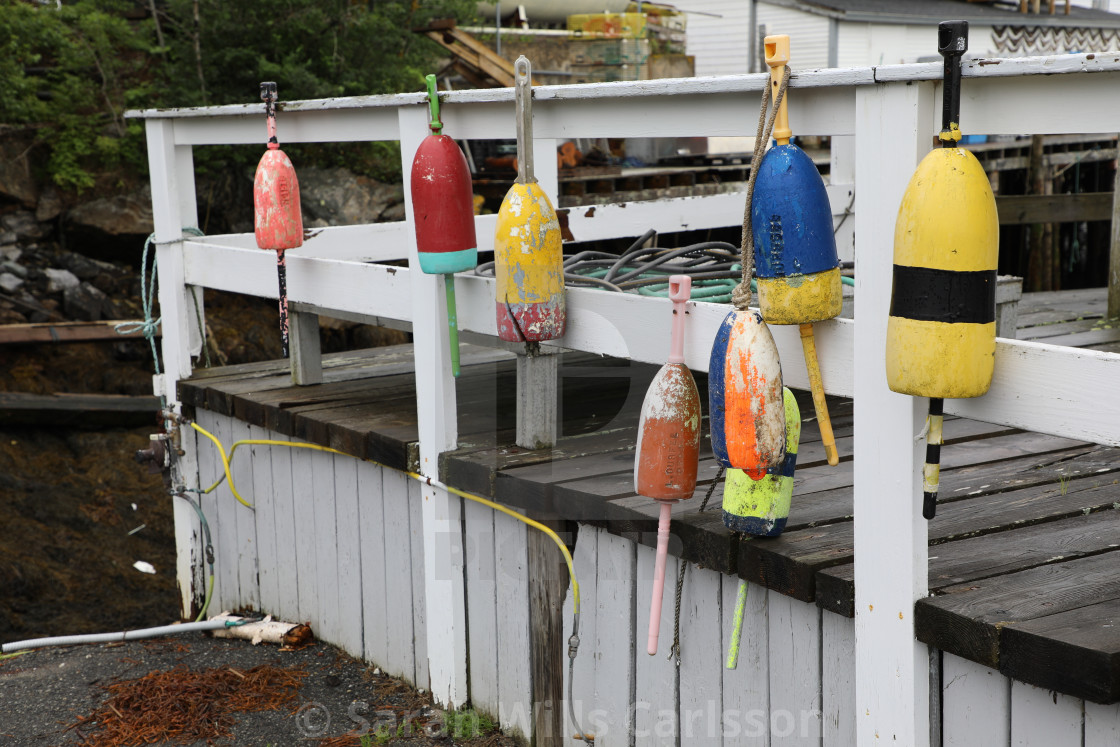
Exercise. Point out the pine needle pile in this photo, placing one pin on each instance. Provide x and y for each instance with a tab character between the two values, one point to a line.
180	706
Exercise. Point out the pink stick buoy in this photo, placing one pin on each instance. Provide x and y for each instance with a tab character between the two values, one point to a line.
659	576
667	453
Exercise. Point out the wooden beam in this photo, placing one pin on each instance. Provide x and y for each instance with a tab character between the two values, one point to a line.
474	53
76	410
549	576
14	334
1019	210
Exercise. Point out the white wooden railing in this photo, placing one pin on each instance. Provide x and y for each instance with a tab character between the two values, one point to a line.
882	121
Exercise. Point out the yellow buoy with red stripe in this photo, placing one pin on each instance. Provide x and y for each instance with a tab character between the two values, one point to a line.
528	252
941	334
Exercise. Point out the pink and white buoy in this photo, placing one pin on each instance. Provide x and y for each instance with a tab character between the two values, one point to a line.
277	220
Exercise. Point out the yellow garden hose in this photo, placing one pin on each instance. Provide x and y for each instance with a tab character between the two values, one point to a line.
225	464
509	512
227	459
573	640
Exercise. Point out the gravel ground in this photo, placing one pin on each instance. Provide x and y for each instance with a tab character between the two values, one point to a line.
48	693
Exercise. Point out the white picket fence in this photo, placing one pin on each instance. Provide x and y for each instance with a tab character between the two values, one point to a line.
882	121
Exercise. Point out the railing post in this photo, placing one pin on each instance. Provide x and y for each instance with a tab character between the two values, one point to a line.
173	208
538	370
893	132
444	589
307	353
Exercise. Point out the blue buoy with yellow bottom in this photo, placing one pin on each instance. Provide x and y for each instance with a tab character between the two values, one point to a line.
794	244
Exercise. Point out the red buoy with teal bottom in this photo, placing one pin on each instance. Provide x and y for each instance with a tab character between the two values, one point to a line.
443	213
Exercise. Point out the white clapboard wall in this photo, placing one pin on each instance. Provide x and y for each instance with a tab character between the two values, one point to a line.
794	683
795	679
337	542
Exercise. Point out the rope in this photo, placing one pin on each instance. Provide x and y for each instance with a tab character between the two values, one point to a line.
148	327
711	489
675	649
742	294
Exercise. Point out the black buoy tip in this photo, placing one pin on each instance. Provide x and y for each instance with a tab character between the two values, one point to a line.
952	37
929	505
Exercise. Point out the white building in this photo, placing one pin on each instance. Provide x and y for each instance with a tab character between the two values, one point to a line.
724	34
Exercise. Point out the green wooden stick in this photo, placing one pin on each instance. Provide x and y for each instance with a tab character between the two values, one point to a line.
452	322
737	626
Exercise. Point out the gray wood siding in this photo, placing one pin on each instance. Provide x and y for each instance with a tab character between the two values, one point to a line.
795	679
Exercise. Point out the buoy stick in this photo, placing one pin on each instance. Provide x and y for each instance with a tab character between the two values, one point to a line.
737	626
452	322
809	344
282	276
523	100
931	472
777	55
436	126
952	43
659	575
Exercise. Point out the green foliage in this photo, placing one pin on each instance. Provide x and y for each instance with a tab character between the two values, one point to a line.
68	73
311	48
467	723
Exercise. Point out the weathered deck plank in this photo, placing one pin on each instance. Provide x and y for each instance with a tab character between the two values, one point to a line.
970	618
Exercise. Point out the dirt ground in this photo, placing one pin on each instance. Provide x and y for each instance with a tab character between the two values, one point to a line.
78	512
78	509
316	695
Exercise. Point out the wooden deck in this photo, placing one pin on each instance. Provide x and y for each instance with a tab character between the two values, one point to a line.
1023	564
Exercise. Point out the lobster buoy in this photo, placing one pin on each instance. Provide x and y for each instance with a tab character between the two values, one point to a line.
745	403
443	212
941	334
277	218
667	454
761	507
795	248
528	252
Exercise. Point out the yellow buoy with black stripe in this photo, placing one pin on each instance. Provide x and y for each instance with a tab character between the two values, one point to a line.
941	334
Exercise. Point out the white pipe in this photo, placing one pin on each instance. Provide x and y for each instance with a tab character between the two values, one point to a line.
128	635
